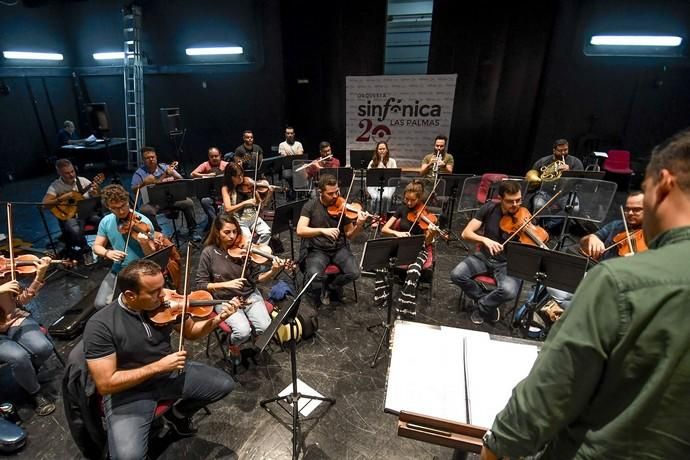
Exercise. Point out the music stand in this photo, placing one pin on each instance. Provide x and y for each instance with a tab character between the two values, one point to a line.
161	257
205	187
165	194
388	253
454	185
285	218
597	175
288	315
359	160
381	177
342	175
547	268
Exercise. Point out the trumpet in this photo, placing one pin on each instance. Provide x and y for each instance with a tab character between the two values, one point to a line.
548	173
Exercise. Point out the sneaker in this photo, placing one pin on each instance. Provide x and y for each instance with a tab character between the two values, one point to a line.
235	354
325	299
42	406
336	294
476	317
496	315
182	426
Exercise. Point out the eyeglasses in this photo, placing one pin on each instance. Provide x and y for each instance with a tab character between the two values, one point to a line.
633	210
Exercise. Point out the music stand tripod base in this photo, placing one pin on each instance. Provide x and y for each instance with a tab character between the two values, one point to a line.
294	398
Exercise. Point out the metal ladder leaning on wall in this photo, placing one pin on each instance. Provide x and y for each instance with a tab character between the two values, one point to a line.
133	70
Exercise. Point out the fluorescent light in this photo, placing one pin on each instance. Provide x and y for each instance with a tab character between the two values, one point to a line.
109	55
214	51
30	55
636	40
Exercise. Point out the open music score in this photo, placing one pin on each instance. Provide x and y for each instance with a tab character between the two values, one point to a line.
448	384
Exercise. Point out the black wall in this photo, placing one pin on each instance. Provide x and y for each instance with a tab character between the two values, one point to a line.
523	79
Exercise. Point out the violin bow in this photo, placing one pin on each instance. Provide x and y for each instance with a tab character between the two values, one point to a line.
185	297
627	232
618	243
256	172
524	224
129	233
13	274
426	202
347	197
251	241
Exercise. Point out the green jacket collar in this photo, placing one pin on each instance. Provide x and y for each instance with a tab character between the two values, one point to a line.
672	236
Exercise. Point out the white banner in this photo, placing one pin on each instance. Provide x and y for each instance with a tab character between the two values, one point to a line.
407	111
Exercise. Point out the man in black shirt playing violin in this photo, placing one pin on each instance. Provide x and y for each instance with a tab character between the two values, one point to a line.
134	367
325	238
490	259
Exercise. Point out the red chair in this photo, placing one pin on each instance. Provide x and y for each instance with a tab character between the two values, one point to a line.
618	162
487	282
222	334
486	184
331	271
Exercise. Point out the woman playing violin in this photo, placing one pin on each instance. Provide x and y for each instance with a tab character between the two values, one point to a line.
239	198
220	273
401	225
22	344
113	231
595	244
484	229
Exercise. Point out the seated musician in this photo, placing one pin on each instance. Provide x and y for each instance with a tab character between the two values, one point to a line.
133	365
241	198
22	343
68	134
60	197
324	243
381	159
221	273
112	231
326	160
491	258
288	148
152	172
248	154
211	168
437	161
400	225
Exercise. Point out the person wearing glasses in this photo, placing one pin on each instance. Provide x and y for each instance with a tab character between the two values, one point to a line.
485	230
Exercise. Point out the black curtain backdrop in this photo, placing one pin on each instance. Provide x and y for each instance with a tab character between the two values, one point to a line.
499	55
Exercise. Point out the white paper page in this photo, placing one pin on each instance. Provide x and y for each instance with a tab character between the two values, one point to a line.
305	406
493	370
426	373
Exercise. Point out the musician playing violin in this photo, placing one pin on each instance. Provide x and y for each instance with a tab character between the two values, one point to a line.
22	344
133	365
490	259
112	232
325	241
220	273
595	244
72	229
241	198
400	225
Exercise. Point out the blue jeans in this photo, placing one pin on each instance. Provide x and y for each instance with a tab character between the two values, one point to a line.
254	314
24	347
316	262
477	264
209	206
129	414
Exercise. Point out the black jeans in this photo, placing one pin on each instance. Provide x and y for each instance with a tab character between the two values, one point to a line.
317	260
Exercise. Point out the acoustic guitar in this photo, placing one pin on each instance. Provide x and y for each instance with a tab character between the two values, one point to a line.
67	207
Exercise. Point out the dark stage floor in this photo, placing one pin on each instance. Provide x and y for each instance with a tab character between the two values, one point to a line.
336	363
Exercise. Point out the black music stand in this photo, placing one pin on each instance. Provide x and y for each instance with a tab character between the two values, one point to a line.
285	218
547	268
454	184
387	253
598	175
342	175
165	194
288	315
359	160
208	187
380	177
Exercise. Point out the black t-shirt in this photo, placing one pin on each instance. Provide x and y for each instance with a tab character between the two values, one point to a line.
490	215
216	266
135	339
405	224
319	218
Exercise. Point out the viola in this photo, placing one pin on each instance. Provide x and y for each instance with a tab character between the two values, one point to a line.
199	305
25	264
637	242
350	210
133	223
529	233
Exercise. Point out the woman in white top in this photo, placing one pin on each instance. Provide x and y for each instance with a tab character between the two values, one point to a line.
381	159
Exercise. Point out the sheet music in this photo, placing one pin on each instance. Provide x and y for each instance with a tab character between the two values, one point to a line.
493	369
431	367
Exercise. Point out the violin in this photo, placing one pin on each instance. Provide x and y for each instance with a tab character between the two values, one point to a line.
350	210
528	232
260	254
133	223
637	243
426	220
262	187
25	264
199	305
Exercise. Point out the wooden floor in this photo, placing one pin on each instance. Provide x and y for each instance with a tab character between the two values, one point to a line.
336	362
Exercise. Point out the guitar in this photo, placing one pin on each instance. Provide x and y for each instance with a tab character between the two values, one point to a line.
66	208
